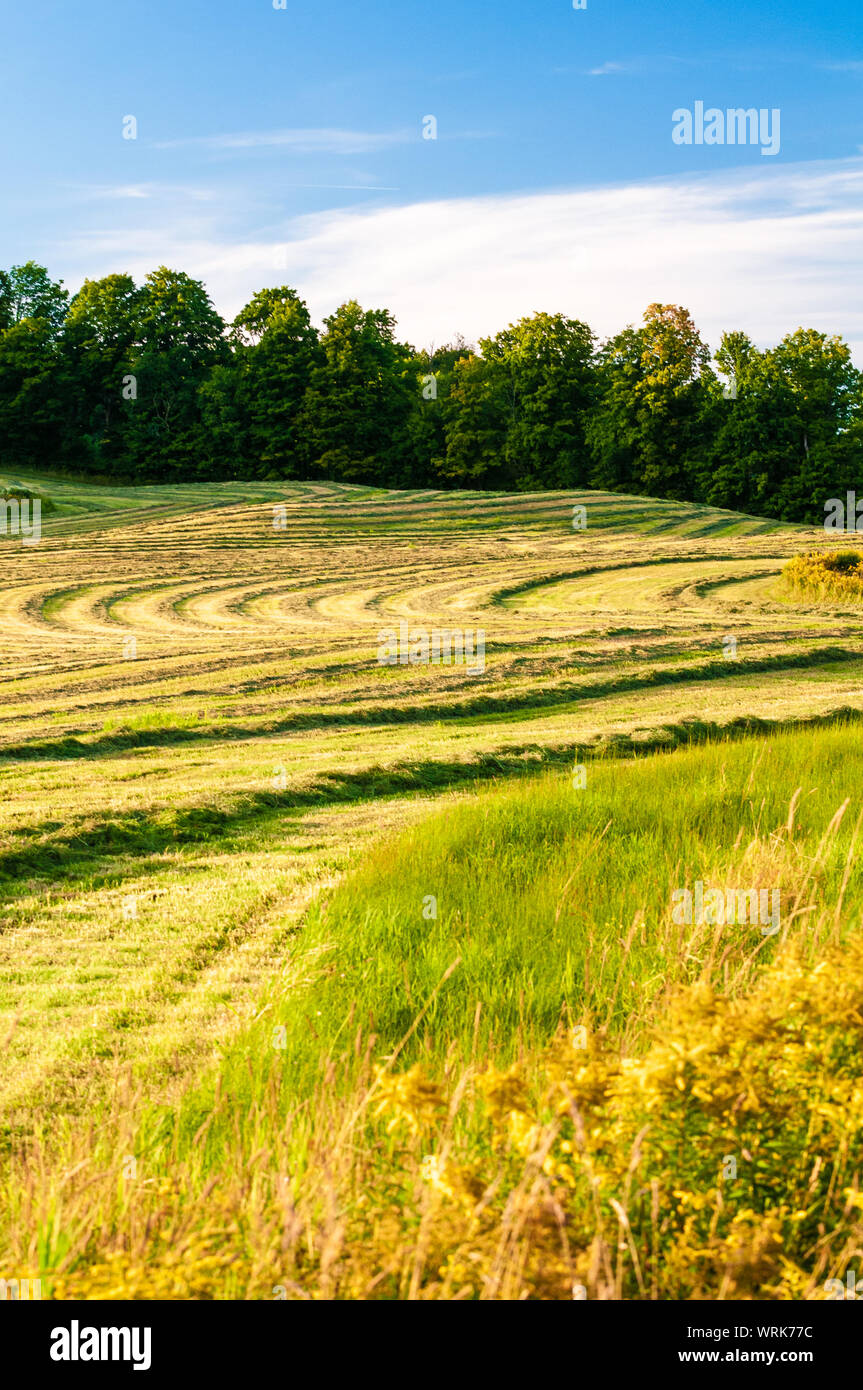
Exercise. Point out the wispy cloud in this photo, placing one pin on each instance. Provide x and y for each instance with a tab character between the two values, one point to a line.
301	141
852	65
126	190
654	64
145	191
349	187
757	250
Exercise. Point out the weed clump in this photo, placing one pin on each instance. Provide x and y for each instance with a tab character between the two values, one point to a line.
724	1162
829	574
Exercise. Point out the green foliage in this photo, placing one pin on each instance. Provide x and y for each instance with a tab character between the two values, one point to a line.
28	292
354	419
648	429
31	427
258	396
21	493
101	341
475	426
149	384
181	342
791	439
550	368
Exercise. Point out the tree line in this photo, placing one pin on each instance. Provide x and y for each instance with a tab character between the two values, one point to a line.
149	384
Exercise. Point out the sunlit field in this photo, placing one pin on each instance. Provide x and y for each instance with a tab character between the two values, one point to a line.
323	977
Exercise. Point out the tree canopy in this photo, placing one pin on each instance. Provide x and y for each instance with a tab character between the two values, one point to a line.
148	383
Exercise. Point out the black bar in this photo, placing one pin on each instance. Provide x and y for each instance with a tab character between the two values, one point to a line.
226	1340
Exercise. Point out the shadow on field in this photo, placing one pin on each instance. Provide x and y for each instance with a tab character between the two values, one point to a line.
65	851
489	706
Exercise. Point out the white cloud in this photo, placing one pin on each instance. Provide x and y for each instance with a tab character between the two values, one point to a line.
122	191
301	141
117	192
605	69
764	251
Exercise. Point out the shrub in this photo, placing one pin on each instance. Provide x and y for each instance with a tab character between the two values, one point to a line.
723	1163
830	574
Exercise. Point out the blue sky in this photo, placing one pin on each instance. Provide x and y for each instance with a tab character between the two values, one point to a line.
286	146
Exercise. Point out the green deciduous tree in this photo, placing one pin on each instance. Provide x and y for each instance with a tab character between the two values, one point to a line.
354	419
544	367
100	345
182	340
275	351
647	435
31	420
476	416
28	292
789	440
32	408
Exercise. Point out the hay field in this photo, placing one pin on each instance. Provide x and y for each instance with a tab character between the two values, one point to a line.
198	738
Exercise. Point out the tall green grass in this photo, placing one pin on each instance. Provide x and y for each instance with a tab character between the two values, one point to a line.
556	904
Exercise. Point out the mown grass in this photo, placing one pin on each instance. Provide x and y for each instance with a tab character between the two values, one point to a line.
453	1107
